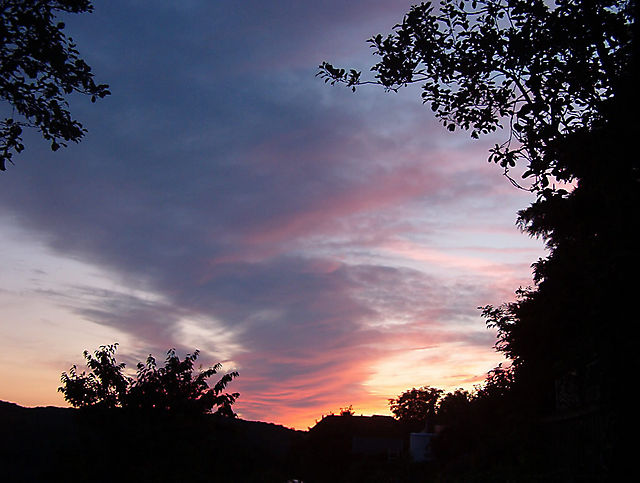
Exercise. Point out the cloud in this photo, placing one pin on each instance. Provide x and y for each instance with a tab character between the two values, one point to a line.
301	234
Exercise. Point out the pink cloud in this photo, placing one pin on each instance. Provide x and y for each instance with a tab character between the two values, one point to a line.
385	189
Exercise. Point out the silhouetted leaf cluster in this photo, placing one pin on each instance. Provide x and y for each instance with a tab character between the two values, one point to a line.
347	411
427	407
416	407
104	385
39	68
173	388
541	71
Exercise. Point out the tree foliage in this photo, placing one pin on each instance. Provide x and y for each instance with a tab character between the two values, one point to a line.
427	406
543	72
562	79
347	411
40	67
417	406
452	405
173	388
105	385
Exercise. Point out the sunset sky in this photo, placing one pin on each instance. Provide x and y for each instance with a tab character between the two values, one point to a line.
332	247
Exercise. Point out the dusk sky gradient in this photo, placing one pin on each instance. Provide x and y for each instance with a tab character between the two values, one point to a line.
332	247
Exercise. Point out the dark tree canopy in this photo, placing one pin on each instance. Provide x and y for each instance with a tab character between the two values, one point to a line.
173	388
40	68
347	411
416	407
105	385
562	78
542	72
452	405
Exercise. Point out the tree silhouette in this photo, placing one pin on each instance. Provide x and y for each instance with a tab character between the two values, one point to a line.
542	72
173	388
39	68
105	385
562	79
453	405
416	407
347	411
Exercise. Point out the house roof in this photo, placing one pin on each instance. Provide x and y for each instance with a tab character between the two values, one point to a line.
362	426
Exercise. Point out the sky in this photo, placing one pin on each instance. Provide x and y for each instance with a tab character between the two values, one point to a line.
333	247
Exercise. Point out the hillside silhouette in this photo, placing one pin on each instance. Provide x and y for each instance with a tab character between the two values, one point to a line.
96	444
66	444
483	442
